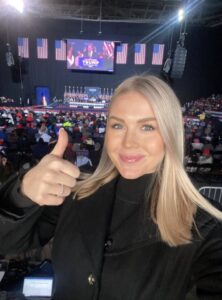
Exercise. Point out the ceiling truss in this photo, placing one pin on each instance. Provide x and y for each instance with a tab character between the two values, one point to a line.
203	12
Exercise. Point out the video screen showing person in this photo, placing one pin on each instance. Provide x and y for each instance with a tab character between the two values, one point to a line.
90	55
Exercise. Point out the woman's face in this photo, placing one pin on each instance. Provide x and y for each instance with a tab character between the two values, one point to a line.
133	140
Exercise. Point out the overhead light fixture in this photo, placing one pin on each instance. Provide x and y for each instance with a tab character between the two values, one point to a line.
180	14
17	4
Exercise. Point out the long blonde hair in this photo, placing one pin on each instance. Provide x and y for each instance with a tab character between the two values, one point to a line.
174	199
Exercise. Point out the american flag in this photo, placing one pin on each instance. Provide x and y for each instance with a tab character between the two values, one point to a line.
23	47
109	46
121	53
42	48
60	50
140	54
157	58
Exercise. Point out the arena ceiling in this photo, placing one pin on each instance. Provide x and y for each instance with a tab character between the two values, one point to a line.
202	12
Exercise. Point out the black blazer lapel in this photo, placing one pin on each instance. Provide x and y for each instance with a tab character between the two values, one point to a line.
94	213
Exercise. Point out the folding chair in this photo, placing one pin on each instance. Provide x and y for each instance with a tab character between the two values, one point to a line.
212	192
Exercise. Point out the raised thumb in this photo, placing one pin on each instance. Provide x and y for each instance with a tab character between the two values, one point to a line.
61	144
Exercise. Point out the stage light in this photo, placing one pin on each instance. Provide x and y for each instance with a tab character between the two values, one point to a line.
17	4
169	24
180	15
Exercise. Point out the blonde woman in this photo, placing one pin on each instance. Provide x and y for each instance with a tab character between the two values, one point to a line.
136	228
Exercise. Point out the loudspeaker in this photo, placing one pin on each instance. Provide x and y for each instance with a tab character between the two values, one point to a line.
167	65
9	59
179	62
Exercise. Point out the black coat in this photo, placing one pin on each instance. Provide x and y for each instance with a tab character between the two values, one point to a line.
132	264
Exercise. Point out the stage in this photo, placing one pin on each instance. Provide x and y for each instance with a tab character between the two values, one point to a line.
83	107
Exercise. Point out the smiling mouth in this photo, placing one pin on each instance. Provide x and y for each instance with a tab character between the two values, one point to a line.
130	159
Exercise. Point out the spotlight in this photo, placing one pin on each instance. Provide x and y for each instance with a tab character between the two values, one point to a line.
180	15
17	4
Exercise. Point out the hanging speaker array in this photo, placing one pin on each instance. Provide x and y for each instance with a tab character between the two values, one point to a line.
179	61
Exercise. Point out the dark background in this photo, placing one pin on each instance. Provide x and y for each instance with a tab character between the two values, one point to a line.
202	75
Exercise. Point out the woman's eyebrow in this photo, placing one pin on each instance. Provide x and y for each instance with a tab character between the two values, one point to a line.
139	121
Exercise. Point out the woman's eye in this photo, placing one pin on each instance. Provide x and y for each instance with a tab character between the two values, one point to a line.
147	127
116	126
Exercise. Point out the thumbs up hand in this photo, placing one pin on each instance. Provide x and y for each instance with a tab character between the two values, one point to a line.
52	179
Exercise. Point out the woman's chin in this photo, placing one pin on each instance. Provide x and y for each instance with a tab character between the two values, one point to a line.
130	174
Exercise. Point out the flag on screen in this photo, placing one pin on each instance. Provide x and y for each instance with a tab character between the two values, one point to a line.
42	48
60	50
109	47
23	47
121	53
140	54
157	58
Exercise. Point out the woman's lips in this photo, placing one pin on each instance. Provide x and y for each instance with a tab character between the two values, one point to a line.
130	158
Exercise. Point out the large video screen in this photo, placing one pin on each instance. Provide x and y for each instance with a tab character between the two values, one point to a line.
90	55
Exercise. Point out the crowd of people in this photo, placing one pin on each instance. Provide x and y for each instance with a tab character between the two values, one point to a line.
203	134
26	136
6	101
195	108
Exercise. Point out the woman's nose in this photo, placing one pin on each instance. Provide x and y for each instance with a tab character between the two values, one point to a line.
130	139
